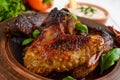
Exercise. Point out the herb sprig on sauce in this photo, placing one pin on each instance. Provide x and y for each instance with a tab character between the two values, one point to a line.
87	10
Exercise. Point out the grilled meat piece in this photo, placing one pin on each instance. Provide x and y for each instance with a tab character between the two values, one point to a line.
57	16
53	51
60	48
26	23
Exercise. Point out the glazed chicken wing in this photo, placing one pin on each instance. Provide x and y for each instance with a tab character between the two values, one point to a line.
60	48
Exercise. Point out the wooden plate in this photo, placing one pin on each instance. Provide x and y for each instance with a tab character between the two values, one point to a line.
11	67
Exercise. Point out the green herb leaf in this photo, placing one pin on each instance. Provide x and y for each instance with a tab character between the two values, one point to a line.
109	59
81	9
27	41
89	11
10	8
73	16
50	2
81	27
36	33
69	78
4	4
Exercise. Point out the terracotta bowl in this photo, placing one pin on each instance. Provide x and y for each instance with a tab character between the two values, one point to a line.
100	20
11	63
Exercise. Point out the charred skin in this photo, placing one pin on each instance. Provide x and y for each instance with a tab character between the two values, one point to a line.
27	23
61	48
55	51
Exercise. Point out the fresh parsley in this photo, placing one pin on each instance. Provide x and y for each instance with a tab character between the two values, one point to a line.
10	8
87	10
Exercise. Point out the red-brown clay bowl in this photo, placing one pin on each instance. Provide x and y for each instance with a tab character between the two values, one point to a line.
11	63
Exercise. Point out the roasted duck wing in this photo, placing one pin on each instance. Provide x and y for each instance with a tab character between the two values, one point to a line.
60	47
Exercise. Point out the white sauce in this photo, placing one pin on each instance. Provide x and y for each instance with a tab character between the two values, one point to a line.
99	14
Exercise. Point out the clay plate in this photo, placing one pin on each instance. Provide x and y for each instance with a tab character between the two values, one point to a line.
11	65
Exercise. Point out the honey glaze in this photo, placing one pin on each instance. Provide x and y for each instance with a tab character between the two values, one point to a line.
17	50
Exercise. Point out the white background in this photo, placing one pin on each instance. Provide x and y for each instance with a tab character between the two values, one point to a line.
112	6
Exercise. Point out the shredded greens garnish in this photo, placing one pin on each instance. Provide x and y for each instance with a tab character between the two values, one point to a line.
10	8
87	10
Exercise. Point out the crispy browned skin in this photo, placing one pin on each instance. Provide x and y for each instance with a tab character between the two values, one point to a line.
55	52
60	48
